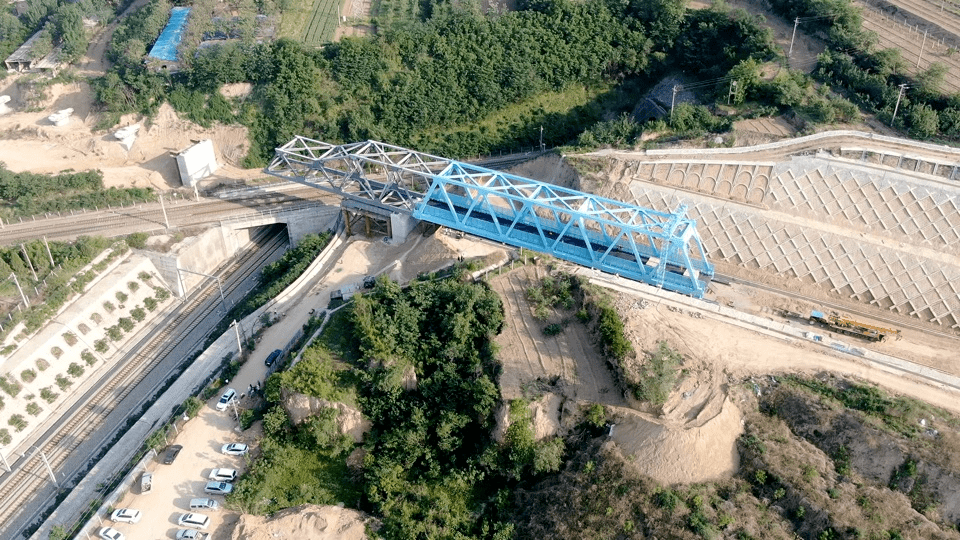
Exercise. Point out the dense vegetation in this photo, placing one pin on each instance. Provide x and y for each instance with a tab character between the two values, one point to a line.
61	22
25	194
420	364
429	84
276	276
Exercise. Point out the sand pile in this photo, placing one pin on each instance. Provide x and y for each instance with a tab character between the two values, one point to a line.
671	452
307	522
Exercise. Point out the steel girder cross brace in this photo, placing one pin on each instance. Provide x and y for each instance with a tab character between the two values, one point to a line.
369	172
662	249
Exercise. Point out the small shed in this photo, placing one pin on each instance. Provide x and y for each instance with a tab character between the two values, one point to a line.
23	59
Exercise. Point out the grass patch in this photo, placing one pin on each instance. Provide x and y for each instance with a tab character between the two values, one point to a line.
659	375
558	112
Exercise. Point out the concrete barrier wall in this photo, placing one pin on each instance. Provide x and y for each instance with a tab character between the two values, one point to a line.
946	151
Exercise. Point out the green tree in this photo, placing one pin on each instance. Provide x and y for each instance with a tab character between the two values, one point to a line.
923	120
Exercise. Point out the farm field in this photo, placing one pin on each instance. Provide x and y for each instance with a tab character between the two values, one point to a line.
389	12
311	22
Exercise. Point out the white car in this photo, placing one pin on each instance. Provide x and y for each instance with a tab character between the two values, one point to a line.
218	488
190	534
194	521
235	449
125	515
223	475
109	533
226	399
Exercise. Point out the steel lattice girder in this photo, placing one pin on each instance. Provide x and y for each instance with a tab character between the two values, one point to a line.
368	171
659	248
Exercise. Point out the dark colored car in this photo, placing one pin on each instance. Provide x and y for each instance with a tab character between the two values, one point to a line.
274	356
171	454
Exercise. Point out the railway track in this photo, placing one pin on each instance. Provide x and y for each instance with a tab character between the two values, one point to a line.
946	20
149	217
19	488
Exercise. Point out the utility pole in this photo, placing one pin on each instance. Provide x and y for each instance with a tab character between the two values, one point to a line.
19	288
43	456
673	98
796	22
541	138
48	252
236	328
922	43
897	106
27	256
733	91
165	220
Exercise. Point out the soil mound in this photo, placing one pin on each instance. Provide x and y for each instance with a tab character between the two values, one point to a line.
673	452
307	521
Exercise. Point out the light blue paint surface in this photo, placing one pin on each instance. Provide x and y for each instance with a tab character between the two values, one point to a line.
166	46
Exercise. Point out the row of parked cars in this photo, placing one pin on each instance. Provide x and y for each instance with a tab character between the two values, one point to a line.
220	482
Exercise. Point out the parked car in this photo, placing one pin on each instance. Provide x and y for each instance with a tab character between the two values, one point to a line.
218	488
109	533
226	399
223	475
190	534
204	504
235	449
125	515
194	521
274	356
171	454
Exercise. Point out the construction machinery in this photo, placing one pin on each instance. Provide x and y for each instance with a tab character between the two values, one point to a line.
851	327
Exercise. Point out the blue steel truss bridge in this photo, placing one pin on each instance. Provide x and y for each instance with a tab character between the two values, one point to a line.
659	248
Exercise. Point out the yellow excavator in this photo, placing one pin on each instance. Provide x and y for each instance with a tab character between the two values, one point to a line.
851	327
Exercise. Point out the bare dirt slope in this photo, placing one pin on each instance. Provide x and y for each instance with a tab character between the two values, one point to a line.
29	142
528	354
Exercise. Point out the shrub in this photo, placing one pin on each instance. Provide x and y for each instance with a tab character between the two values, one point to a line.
42	364
553	329
138	314
125	324
5	437
138	240
33	409
96	318
133	286
88	357
144	276
28	375
101	345
160	293
108	306
75	370
114	333
597	415
10	386
84	329
63	383
69	338
57	352
659	375
192	406
18	422
150	303
48	395
121	297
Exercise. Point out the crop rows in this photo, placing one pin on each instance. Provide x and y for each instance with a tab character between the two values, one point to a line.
323	23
